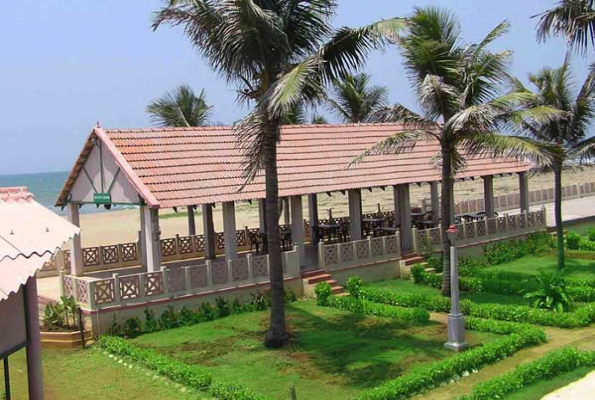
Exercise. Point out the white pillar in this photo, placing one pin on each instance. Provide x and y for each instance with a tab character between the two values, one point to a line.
262	215
404	208
355	214
76	249
152	239
286	214
524	191
435	201
229	230
142	241
34	370
208	231
313	215
297	226
191	222
488	195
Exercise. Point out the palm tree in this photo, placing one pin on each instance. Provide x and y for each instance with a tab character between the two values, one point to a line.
180	109
565	138
354	101
280	53
296	115
457	87
575	19
318	119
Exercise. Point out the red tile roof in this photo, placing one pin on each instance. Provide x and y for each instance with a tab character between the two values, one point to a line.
191	166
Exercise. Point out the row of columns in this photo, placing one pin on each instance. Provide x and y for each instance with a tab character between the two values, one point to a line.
150	233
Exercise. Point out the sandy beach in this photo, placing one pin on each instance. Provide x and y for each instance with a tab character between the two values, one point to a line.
120	226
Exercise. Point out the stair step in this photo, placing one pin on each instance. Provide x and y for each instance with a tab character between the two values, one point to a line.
320	278
412	261
337	290
431	270
310	274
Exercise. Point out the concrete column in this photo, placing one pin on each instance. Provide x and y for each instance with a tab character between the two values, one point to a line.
488	195
524	191
229	230
76	249
404	211
262	215
152	239
396	205
286	213
435	200
142	241
34	370
313	215
191	222
355	213
297	226
208	231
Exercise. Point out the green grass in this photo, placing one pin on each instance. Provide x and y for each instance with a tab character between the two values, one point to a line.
532	264
542	388
334	354
408	286
91	375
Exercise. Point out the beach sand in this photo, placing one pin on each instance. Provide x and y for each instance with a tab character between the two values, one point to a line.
121	226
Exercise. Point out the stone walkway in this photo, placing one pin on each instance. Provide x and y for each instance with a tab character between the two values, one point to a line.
582	338
583	389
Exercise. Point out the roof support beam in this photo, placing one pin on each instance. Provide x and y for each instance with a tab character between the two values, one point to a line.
488	195
524	191
297	227
313	216
208	231
152	239
435	201
191	221
229	230
76	250
355	214
404	211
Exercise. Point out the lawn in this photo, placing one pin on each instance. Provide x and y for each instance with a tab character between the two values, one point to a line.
408	286
533	264
91	375
334	354
542	388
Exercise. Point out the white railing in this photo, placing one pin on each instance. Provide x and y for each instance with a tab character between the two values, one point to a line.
94	293
372	249
483	230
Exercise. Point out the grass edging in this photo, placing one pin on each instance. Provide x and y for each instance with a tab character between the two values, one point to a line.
519	336
190	376
416	315
553	364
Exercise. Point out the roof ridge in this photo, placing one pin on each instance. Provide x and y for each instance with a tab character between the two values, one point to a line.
16	194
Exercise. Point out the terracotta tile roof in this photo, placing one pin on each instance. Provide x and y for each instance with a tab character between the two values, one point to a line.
191	166
29	235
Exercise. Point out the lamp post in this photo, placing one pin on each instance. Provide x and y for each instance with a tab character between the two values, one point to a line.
456	321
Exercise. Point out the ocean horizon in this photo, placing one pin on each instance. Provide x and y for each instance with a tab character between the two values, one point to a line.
45	186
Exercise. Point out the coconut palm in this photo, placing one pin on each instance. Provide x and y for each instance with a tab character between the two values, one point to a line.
565	138
575	19
457	87
318	119
182	108
280	53
355	101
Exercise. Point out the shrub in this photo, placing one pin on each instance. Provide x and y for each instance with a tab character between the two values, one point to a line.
551	293
551	365
519	336
411	315
354	285
591	234
61	315
417	272
207	313
573	240
420	276
223	309
150	321
169	318
131	328
323	291
435	262
261	300
290	296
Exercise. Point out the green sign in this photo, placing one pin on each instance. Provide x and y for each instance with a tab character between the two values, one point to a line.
102	198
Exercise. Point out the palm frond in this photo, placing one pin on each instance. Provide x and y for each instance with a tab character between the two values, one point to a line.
181	108
249	132
401	114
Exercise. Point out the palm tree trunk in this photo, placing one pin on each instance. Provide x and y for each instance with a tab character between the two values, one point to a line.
447	218
558	213
277	335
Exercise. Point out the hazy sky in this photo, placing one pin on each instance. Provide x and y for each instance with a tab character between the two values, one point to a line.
66	64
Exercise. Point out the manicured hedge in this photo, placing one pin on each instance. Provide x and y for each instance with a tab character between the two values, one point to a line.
553	364
191	376
514	313
411	315
519	336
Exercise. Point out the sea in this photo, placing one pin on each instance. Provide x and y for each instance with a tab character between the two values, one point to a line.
45	186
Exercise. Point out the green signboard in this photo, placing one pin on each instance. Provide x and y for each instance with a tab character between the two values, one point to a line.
102	198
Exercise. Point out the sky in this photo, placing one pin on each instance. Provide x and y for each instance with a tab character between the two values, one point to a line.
66	65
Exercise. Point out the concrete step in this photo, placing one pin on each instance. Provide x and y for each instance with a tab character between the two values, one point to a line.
310	274
430	270
414	260
319	278
336	290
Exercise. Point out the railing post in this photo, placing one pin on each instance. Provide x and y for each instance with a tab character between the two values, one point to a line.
187	279
142	278
475	228
164	274
414	244
369	239
116	278
91	295
209	273
230	269
61	274
250	260
321	257
505	223
177	244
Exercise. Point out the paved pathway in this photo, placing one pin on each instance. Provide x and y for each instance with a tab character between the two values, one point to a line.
583	389
582	338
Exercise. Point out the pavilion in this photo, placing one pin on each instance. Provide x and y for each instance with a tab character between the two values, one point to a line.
190	167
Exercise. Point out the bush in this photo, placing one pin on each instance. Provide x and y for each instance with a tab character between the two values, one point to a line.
357	306
223	308
169	319
323	291
551	293
553	364
132	328
519	336
150	321
420	276
591	234
573	240
191	376
354	285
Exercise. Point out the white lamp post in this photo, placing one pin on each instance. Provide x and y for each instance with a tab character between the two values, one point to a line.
456	321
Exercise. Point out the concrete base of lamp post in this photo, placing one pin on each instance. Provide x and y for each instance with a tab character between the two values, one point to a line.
456	333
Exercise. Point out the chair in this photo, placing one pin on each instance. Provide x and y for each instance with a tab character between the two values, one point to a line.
344	231
255	241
